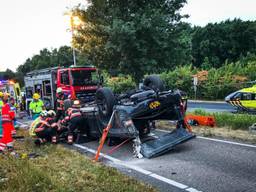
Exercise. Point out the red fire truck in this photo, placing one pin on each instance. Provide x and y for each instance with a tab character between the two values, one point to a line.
80	82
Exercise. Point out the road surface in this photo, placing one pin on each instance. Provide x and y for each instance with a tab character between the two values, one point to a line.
198	165
210	106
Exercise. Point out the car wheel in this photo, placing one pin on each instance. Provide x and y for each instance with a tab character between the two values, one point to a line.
105	100
154	82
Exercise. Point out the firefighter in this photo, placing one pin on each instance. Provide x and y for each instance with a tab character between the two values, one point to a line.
46	128
74	120
60	104
13	106
7	124
36	106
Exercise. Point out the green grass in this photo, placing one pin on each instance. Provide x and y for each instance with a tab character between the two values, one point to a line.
60	169
234	121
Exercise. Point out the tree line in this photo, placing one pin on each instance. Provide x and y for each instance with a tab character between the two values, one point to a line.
141	37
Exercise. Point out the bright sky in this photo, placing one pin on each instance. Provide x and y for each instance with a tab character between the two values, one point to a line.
27	26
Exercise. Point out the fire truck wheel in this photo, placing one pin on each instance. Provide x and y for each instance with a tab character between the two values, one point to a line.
105	100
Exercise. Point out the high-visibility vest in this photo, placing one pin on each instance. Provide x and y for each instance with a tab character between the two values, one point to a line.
71	113
36	106
1	105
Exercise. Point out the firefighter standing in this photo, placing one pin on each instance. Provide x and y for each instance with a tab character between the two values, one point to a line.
74	120
36	106
46	128
7	124
60	104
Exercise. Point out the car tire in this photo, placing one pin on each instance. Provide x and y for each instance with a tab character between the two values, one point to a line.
105	100
67	104
154	82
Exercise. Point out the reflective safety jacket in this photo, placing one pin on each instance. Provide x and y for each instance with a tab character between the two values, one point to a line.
60	103
1	105
33	126
71	113
36	106
45	123
7	115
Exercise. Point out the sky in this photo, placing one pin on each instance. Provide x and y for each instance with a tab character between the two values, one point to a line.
27	26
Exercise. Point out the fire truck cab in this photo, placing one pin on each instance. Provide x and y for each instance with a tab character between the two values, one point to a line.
79	82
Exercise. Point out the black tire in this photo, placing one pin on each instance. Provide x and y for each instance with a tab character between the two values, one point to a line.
105	100
154	82
67	104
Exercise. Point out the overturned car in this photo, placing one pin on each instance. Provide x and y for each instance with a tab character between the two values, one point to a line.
132	115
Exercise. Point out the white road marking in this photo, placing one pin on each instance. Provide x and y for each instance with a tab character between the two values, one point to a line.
228	142
192	190
140	170
218	140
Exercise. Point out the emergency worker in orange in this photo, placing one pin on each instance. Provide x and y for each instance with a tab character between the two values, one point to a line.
7	123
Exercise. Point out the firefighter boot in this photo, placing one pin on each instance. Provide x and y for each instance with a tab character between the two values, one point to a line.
54	139
39	141
70	139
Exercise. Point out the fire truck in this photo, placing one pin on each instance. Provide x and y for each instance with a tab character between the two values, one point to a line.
79	82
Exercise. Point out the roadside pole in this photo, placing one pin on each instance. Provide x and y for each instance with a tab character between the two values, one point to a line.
195	82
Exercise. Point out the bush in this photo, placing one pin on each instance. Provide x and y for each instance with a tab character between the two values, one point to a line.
120	84
180	78
234	121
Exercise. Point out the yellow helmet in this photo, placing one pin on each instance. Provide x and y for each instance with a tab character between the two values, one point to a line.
1	94
36	96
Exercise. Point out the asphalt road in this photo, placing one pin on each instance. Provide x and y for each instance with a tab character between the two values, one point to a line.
200	164
210	106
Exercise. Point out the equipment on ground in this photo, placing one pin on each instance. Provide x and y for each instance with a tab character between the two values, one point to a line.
80	82
244	99
200	120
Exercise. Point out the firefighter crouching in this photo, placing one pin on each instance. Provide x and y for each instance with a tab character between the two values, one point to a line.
46	129
7	124
73	120
36	106
60	104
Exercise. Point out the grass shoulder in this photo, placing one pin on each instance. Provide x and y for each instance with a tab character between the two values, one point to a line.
228	126
59	169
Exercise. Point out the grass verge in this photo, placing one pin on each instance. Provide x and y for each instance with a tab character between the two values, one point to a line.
233	121
59	169
217	132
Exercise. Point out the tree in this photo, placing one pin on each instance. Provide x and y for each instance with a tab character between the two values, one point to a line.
218	42
133	37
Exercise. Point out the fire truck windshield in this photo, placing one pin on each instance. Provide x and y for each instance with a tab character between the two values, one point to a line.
84	77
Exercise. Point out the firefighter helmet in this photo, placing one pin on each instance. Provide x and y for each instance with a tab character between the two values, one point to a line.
76	104
59	90
36	96
51	113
